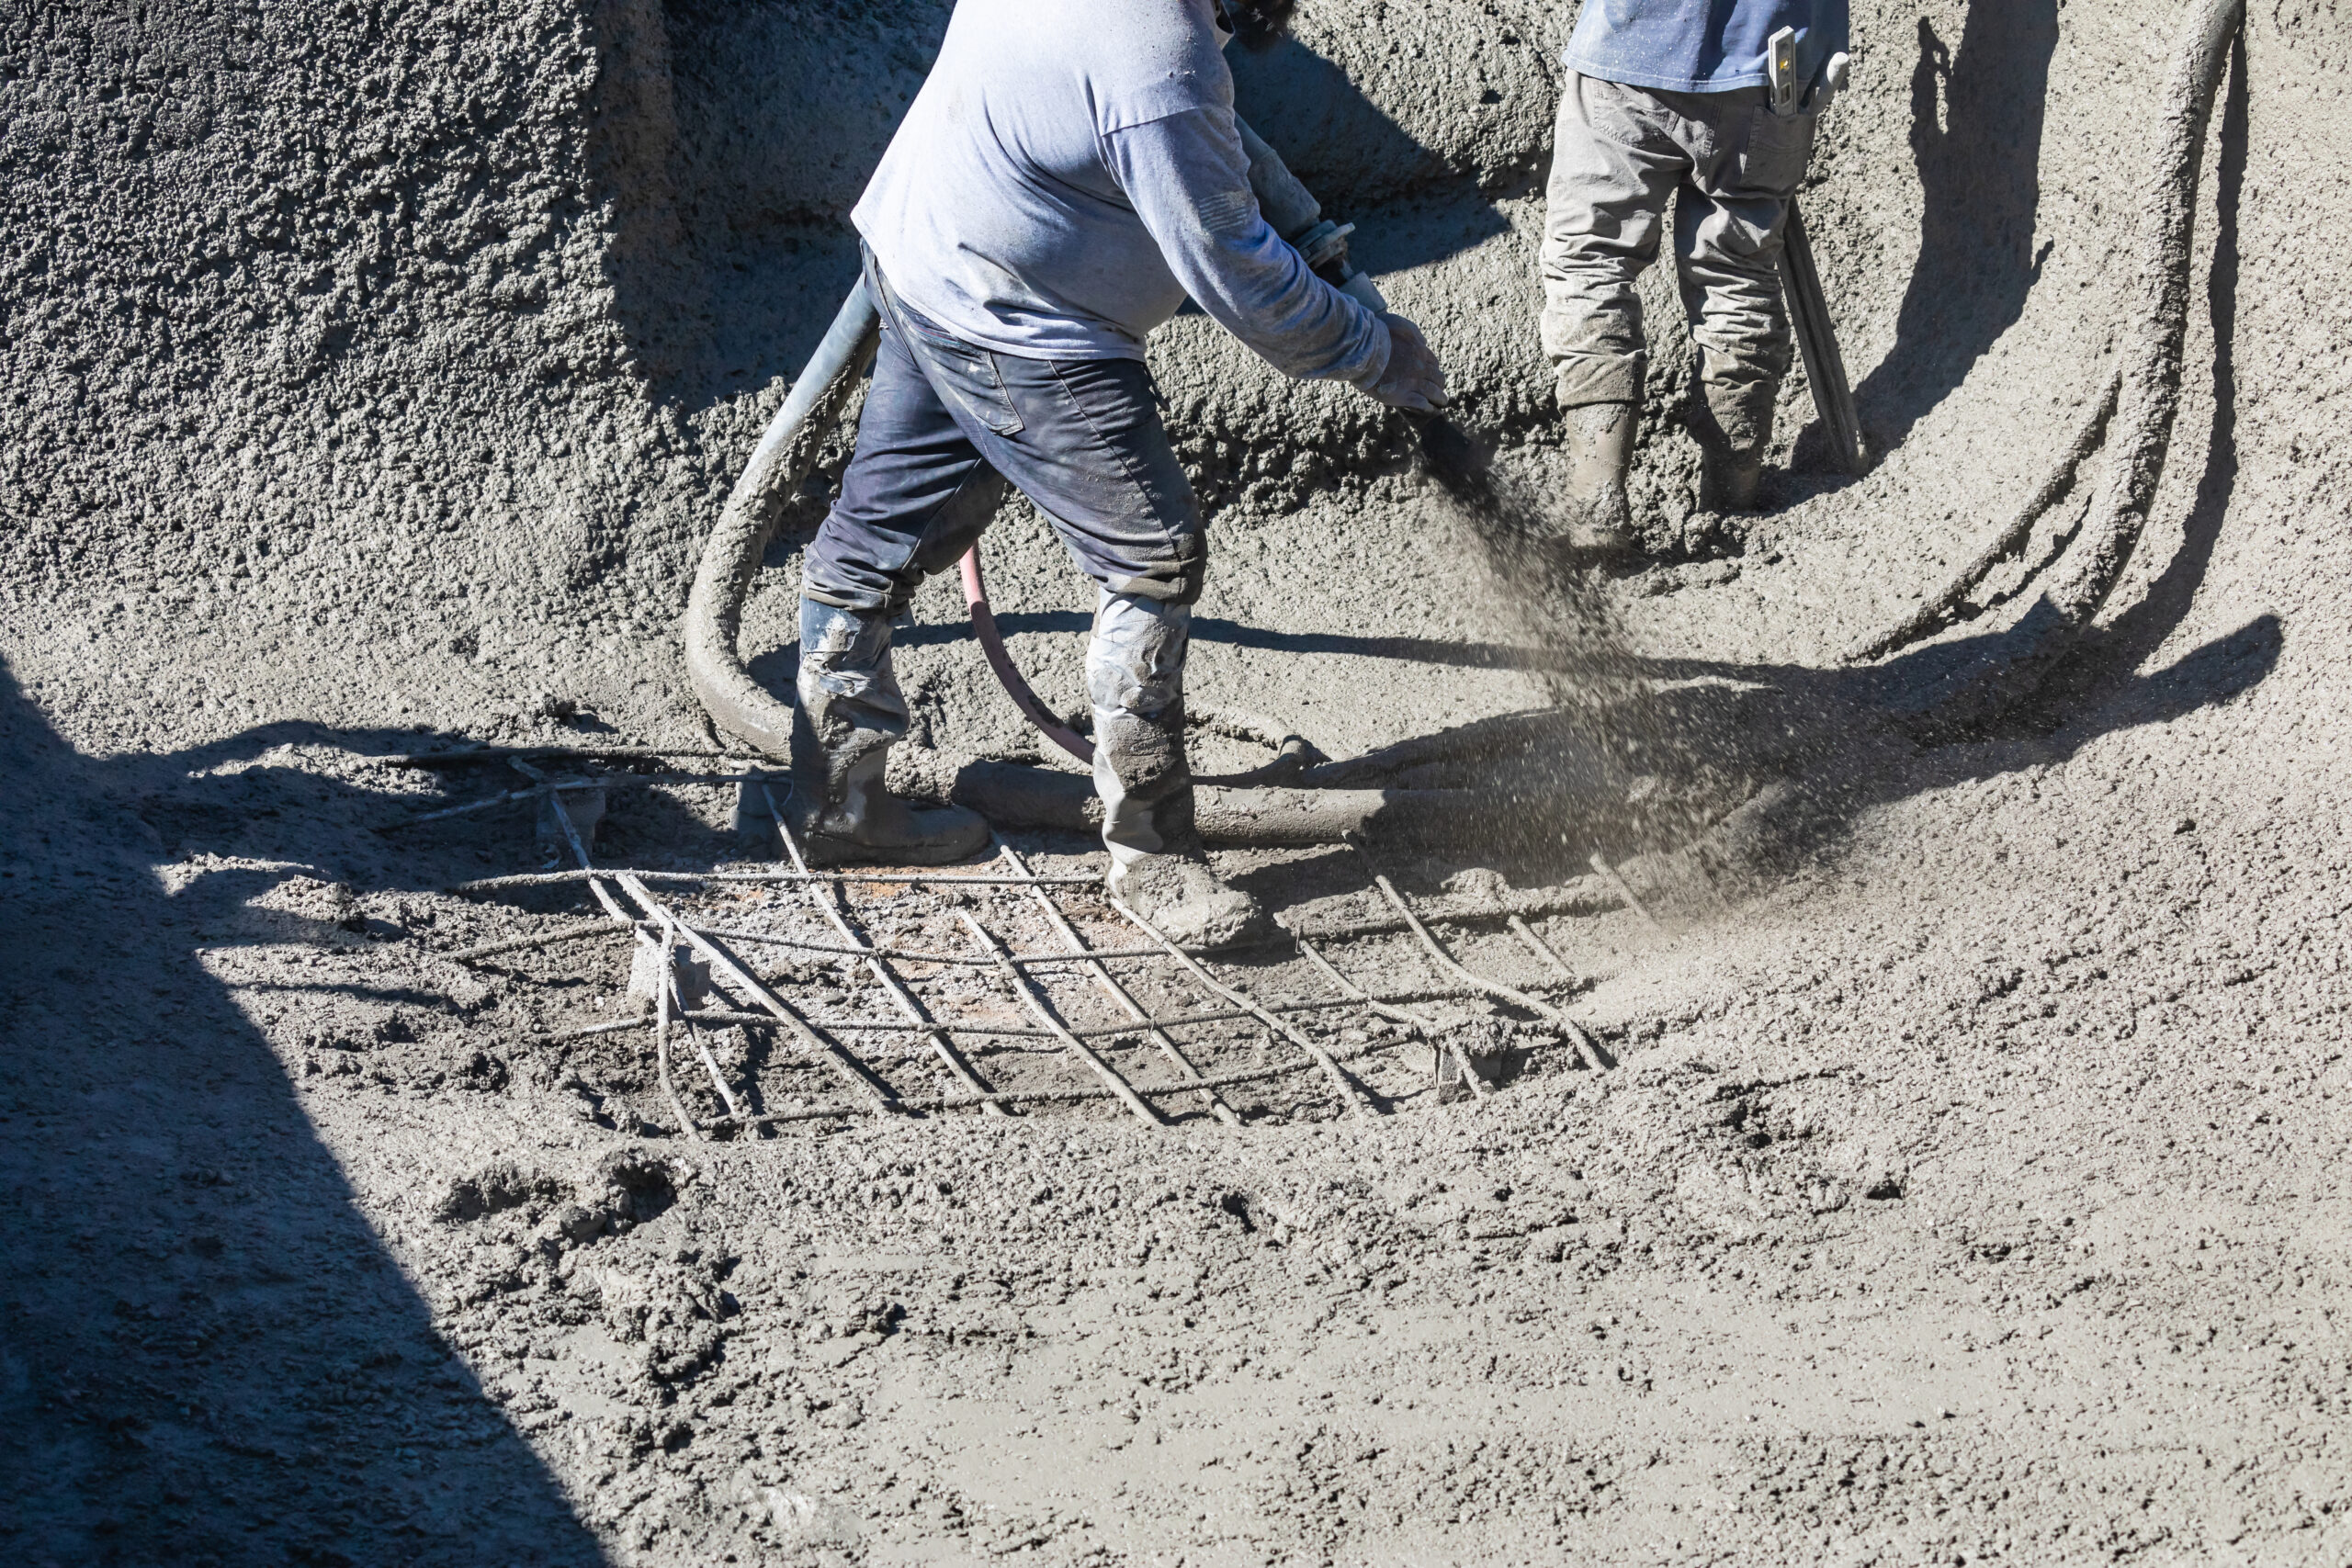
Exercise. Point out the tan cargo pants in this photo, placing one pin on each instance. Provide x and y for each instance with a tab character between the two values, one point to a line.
1618	154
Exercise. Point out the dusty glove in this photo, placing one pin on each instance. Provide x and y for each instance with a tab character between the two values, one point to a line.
1413	378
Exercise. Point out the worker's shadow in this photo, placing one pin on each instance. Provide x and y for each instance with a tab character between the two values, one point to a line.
208	1356
1976	122
1356	159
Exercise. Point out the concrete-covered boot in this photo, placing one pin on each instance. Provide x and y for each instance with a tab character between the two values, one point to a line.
851	714
1135	677
1601	453
1732	423
1729	480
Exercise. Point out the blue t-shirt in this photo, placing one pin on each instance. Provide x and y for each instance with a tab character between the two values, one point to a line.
1701	46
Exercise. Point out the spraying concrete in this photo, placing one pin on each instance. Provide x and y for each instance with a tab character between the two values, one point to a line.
1966	1013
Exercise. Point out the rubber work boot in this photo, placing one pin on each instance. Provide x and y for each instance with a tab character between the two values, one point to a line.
1134	677
1728	480
1601	453
851	714
1734	427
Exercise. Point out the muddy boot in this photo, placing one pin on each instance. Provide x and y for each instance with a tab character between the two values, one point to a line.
851	713
1728	480
1600	453
1732	423
1135	677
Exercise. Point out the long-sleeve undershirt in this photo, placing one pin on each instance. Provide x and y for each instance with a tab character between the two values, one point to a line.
1068	175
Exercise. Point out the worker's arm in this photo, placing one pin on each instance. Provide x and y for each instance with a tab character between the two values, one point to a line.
1188	179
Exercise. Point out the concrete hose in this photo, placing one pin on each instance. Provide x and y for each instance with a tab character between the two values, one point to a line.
2150	392
1007	674
730	558
1938	609
2156	315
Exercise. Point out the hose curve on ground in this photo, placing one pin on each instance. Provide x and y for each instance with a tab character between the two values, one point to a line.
2155	324
1007	674
1938	607
2157	314
730	558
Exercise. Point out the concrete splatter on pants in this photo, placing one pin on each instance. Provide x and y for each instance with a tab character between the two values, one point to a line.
948	423
1619	152
1134	677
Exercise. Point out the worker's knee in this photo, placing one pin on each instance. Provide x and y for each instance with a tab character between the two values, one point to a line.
1134	677
1135	660
1168	571
1581	379
1593	334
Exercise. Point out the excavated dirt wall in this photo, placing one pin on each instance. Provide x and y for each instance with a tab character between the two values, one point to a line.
1970	1188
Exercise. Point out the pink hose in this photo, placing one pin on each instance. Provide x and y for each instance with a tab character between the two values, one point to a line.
1009	674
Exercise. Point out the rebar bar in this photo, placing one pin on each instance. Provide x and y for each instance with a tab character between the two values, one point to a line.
718	957
725	964
665	983
1352	1096
1496	988
718	1017
510	798
588	930
1624	891
1078	1096
1035	1002
901	878
666	980
702	1046
582	932
1118	993
1544	952
1420	1027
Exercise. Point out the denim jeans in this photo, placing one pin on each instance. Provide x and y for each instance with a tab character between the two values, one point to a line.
948	423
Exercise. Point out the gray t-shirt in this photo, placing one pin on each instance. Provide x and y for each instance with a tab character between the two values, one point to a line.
1072	171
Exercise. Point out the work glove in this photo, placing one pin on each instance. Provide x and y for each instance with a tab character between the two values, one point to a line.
1414	379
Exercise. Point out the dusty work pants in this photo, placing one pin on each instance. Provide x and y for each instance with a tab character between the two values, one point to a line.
1618	154
946	423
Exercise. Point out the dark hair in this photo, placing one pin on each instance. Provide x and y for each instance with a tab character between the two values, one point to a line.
1259	24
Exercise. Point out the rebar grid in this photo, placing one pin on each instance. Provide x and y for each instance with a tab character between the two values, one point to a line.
986	940
824	899
1118	993
657	926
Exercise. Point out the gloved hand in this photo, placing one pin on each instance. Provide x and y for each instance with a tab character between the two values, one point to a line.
1414	379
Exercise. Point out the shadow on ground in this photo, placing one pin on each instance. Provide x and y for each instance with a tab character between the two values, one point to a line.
208	1356
1976	118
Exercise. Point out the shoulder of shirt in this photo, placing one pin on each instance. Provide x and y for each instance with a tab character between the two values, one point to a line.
1161	58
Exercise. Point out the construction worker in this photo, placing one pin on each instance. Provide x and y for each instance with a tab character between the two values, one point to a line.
1069	174
1666	96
